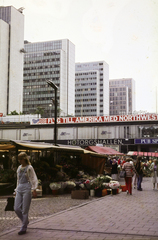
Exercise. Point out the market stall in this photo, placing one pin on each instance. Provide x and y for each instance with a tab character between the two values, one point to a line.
103	150
143	154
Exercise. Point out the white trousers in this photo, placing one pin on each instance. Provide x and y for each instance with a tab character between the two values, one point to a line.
21	207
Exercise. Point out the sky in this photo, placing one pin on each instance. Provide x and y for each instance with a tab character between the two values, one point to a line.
123	33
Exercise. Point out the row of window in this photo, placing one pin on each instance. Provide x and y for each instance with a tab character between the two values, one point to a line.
117	89
85	84
51	53
90	94
40	80
87	65
41	73
84	90
118	102
90	73
86	100
84	79
37	86
43	46
43	101
41	67
42	60
115	112
46	92
86	105
82	95
85	110
118	94
117	107
118	82
40	54
114	99
79	100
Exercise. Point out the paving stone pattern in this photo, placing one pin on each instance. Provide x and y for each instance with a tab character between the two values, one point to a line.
119	216
40	207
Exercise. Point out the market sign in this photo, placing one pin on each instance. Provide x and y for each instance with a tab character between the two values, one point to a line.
146	141
97	119
94	142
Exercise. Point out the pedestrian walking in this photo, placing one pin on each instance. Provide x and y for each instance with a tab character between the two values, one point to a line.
114	170
134	178
139	169
129	169
26	181
154	175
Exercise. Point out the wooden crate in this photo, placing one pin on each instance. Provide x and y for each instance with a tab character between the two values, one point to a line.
123	187
80	194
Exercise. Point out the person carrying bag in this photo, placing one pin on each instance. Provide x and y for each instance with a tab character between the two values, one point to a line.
26	181
129	169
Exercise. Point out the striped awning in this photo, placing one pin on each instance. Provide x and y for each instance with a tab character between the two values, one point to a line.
143	154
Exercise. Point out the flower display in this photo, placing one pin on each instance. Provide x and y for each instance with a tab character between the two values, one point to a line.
63	185
105	179
70	184
105	185
92	185
87	184
82	185
114	184
55	186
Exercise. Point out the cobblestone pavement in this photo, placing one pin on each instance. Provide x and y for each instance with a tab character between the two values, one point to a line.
40	207
119	216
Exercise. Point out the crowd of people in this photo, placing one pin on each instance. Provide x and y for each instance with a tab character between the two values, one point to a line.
134	171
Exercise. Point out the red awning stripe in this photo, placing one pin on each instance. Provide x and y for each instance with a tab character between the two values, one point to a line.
103	150
145	154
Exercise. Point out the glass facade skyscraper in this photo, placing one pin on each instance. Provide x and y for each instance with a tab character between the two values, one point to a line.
92	89
54	61
122	96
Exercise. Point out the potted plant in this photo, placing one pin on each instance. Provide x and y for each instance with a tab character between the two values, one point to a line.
63	186
70	186
114	185
55	187
92	188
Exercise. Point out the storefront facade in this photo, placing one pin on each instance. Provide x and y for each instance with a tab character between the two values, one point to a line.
123	133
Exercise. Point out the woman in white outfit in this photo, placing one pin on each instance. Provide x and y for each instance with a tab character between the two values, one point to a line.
154	175
26	181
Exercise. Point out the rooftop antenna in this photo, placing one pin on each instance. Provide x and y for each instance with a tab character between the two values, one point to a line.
21	9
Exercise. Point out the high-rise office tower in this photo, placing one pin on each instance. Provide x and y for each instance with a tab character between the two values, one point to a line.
92	89
121	96
54	61
11	59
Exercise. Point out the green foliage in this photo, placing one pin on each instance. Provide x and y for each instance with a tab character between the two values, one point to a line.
39	110
44	171
14	113
59	112
7	175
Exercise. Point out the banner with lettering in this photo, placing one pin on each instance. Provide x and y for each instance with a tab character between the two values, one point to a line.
101	119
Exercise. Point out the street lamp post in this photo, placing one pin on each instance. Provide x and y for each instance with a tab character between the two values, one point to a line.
50	83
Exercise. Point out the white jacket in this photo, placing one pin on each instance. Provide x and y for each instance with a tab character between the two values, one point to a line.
31	175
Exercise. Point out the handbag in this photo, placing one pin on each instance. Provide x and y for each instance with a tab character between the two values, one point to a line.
10	204
122	174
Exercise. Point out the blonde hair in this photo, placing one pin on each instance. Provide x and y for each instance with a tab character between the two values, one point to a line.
24	156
